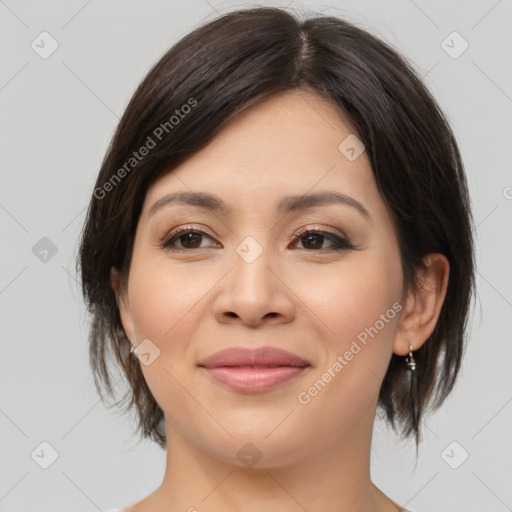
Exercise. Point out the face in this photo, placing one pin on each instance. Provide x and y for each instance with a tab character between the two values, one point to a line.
243	272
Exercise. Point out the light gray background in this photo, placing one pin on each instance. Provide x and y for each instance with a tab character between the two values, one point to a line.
58	115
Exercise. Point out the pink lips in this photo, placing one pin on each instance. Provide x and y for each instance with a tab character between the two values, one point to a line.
253	370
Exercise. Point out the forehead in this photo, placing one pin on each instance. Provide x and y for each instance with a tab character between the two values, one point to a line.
288	144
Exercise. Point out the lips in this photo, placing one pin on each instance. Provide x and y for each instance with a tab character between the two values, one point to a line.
253	371
265	357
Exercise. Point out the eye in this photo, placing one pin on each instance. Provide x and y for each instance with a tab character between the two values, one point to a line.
189	239
313	238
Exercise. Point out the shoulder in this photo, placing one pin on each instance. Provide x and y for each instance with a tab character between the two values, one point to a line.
138	506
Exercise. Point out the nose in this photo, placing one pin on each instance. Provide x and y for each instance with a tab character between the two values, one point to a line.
254	293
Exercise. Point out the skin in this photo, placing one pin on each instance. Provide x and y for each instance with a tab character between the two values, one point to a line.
298	294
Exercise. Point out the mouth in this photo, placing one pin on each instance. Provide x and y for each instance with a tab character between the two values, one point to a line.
253	371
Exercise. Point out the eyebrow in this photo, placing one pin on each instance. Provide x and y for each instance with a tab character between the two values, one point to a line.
286	204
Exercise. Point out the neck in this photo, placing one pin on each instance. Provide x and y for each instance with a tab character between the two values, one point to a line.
334	478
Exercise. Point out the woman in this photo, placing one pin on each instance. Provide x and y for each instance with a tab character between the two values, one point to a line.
279	241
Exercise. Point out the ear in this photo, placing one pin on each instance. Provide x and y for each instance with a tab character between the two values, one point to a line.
123	304
423	306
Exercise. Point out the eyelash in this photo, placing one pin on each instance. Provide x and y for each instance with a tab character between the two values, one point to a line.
341	243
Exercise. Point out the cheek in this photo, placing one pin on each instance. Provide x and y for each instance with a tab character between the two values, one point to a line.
164	304
361	308
164	300
354	298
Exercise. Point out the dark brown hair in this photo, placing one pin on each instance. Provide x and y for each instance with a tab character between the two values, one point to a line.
230	64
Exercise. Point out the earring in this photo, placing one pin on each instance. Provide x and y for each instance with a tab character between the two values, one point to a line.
132	350
410	363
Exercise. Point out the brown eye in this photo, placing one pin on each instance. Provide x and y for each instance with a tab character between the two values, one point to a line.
189	239
313	239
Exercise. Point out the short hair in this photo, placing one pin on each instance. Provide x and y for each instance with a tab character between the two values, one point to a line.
238	60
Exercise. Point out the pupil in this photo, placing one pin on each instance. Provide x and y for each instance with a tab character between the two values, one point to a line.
309	237
189	237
